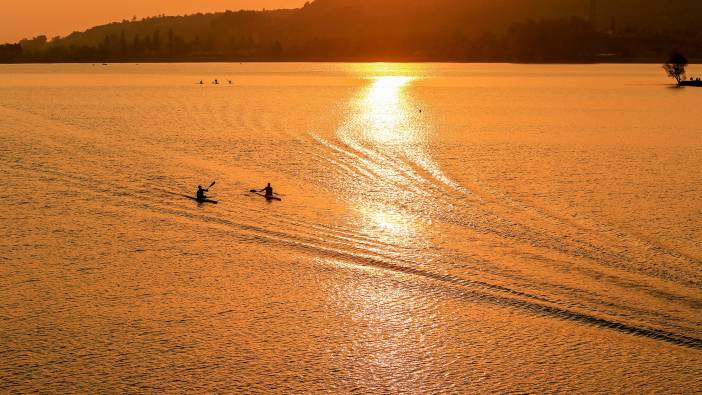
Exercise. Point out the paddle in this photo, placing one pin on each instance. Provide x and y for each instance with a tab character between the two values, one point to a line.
256	191
211	185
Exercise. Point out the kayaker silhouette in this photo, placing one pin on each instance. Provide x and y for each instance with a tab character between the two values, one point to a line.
268	189
201	192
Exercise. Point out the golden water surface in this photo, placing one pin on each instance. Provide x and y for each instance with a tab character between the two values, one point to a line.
443	228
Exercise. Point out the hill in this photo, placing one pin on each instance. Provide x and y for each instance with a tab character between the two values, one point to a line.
393	30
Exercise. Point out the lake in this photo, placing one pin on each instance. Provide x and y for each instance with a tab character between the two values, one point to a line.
443	228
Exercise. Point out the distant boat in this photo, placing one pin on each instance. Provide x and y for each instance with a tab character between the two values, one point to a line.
696	82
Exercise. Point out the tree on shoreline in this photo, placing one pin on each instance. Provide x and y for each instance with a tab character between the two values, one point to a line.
675	66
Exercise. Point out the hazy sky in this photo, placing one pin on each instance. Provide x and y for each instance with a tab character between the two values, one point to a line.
28	18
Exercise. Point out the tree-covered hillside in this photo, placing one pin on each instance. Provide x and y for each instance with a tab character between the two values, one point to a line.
413	30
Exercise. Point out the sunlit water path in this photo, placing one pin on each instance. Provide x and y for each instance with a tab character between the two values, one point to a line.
442	228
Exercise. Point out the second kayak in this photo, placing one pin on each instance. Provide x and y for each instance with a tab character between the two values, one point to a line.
269	197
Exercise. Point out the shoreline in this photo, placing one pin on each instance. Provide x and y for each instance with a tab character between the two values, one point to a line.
355	61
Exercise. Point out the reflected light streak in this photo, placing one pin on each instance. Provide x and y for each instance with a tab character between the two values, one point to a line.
385	137
390	119
385	111
387	131
390	226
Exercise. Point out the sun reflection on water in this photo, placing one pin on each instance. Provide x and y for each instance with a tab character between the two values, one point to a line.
386	111
387	135
383	129
385	141
390	226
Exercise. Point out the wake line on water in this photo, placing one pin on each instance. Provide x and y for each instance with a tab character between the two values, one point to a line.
515	220
531	306
545	310
369	260
368	159
509	297
377	163
375	249
535	304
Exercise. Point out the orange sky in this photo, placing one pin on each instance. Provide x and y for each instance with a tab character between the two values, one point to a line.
28	18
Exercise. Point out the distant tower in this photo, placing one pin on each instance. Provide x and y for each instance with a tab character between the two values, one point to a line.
593	14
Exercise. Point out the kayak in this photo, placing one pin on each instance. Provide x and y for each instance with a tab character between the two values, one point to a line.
269	197
201	200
